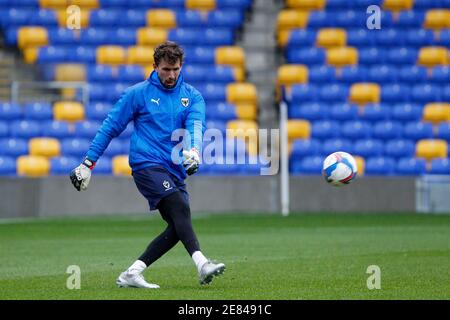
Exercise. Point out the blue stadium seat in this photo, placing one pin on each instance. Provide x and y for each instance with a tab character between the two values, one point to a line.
321	74
75	147
352	74
379	166
389	37
445	37
98	92
310	111
45	17
241	4
52	54
13	147
386	130
25	3
305	147
207	37
418	130
395	93
9	111
382	74
220	73
94	36
307	166
349	18
402	56
7	166
410	19
443	131
325	129
399	148
81	54
98	111
25	129
219	125
411	166
63	165
114	3
194	73
360	38
334	93
122	36
344	111
16	17
368	148
131	73
104	166
372	55
321	19
338	4
86	129
200	55
356	129
333	145
303	93
426	4
114	91
222	169
226	18
56	129
38	111
62	36
221	111
104	17
419	37
445	93
132	18
115	147
424	93
376	112
413	74
213	92
440	74
440	166
301	38
4	129
407	112
308	56
100	73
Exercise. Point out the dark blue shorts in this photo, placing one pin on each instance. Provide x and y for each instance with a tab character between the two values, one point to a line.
156	183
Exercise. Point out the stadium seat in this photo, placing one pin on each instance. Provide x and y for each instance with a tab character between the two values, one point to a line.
321	74
246	111
389	38
86	129
32	37
63	165
359	38
348	18
440	74
410	19
161	18
410	166
302	93
38	111
244	129
402	56
437	19
298	129
413	74
25	129
307	56
151	36
104	17
101	73
432	56
382	74
372	55
241	93
13	147
395	93
104	166
331	145
120	166
331	37
443	131
306	4
436	112
142	55
68	111
352	74
46	147
431	148
4	129
368	148
290	74
70	72
57	129
387	130
343	112
75	147
311	165
288	20
398	5
379	165
356	129
205	5
325	129
419	37
309	111
113	55
230	55
132	18
9	111
342	56
299	38
440	166
304	147
418	130
423	93
399	148
221	111
334	93
406	112
375	112
321	19
7	166
32	166
64	16
363	93
131	73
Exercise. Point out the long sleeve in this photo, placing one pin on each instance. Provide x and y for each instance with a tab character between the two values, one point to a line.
195	122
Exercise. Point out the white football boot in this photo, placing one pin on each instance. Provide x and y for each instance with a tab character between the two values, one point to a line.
134	280
209	270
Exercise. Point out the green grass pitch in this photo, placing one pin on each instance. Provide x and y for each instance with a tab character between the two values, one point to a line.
303	256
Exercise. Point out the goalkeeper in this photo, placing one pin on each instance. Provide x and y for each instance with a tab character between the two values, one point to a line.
158	106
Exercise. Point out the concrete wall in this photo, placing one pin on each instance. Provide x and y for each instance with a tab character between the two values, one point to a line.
55	196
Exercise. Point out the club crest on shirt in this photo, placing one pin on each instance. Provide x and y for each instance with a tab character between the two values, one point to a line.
185	102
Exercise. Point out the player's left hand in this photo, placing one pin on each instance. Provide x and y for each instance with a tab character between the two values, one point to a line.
192	161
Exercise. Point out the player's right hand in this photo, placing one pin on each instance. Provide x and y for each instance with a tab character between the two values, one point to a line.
81	175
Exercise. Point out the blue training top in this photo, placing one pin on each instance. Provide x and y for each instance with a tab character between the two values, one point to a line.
156	111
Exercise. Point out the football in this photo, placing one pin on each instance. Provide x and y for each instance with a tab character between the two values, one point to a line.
339	168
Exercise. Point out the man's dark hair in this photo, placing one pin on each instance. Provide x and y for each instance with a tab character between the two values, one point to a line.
170	52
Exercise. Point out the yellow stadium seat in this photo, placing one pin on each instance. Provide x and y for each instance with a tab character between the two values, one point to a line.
46	147
33	166
142	55
230	55
360	164
242	93
298	129
120	166
437	19
292	19
68	111
290	74
67	19
151	36
200	4
86	4
148	70
54	4
431	56
306	4
436	112
161	18
246	111
70	72
113	55
30	55
331	37
246	130
239	74
32	37
398	5
363	93
431	148
342	56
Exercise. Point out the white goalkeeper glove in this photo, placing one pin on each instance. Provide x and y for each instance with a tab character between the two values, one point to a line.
192	161
81	175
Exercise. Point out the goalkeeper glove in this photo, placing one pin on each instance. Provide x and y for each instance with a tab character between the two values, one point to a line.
192	161
81	175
